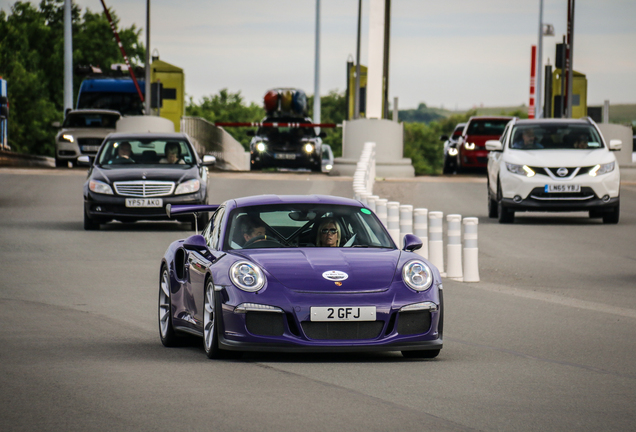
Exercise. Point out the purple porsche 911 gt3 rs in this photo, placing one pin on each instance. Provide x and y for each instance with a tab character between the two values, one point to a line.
298	274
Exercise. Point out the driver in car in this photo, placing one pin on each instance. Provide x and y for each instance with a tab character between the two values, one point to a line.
527	141
124	154
253	228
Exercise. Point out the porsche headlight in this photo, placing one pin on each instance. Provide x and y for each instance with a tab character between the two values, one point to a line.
469	146
520	169
68	138
417	275
602	169
100	187
247	276
190	186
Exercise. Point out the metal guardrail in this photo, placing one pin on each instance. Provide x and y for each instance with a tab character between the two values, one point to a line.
213	140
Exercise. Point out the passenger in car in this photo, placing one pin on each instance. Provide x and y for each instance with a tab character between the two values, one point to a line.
581	142
173	154
329	234
526	140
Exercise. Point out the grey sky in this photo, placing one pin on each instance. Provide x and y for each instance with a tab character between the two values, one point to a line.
452	53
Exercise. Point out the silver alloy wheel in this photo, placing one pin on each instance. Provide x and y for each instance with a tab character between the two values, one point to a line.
208	318
164	304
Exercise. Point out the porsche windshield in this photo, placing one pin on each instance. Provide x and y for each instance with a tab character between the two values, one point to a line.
167	153
559	137
305	225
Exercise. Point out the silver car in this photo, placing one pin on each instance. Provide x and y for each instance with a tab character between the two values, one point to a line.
82	133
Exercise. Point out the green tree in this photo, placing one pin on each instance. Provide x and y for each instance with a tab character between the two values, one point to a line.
32	62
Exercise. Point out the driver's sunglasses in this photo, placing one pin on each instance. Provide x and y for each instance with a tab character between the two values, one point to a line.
329	231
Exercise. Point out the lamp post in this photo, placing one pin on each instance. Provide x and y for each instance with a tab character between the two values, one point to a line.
147	86
316	69
538	110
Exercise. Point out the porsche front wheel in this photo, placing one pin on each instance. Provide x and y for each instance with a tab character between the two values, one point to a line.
166	330
210	339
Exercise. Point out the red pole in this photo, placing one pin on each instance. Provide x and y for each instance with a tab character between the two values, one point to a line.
533	77
123	52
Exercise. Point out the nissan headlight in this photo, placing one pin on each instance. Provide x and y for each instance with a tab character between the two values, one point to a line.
68	138
602	169
261	147
417	275
190	186
524	170
247	276
100	187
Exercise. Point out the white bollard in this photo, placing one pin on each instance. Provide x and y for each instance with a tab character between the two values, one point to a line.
371	202
471	250
436	240
406	222
363	197
380	210
454	247
393	220
420	229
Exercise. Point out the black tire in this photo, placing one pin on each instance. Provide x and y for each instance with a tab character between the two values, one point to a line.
90	224
505	215
424	354
612	216
447	167
61	163
493	211
167	334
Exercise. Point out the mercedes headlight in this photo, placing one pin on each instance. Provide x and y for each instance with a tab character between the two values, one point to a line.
247	276
520	169
417	275
602	169
190	186
100	187
309	148
261	147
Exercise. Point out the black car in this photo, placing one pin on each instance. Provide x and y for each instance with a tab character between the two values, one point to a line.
135	175
286	147
450	148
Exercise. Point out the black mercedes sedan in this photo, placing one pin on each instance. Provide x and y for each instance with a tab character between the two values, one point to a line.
135	175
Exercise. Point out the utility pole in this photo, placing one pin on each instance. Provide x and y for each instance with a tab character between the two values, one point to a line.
356	105
316	69
68	56
538	108
147	86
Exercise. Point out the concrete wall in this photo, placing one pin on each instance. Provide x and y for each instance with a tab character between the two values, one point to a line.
623	133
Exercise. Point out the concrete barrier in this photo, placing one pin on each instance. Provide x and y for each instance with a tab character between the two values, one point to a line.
420	229
471	251
454	246
436	240
393	221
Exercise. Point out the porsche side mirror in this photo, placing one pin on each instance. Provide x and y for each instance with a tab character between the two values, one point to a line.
209	160
412	243
494	145
195	242
84	160
615	145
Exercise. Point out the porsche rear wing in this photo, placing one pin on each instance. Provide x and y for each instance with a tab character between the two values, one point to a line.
192	208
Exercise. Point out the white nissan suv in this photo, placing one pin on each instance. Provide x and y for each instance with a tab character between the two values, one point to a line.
553	165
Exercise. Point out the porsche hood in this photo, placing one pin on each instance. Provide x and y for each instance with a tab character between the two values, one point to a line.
328	270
